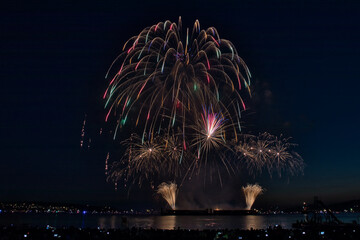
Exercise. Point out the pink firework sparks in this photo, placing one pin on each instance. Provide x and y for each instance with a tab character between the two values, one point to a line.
212	122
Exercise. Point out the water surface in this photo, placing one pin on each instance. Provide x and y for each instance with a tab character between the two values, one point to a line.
160	222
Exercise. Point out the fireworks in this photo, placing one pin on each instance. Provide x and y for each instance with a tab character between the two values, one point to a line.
181	87
182	92
270	152
210	130
284	159
167	76
175	155
169	192
149	159
251	192
142	159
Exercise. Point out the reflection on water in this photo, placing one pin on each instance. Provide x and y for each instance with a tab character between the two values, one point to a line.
254	222
113	220
160	222
165	222
102	222
83	221
202	222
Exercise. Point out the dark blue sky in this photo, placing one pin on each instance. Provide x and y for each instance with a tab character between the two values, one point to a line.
304	58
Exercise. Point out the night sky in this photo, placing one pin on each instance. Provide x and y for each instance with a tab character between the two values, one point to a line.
304	58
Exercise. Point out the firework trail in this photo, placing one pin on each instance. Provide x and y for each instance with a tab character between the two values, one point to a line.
269	152
82	132
169	192
106	163
251	192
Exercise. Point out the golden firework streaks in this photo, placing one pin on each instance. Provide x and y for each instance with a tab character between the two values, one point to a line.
270	152
169	192
251	193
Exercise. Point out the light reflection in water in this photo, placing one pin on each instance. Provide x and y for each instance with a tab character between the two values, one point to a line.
165	222
102	222
113	221
197	222
255	222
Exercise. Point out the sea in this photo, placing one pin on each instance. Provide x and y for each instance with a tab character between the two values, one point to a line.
158	222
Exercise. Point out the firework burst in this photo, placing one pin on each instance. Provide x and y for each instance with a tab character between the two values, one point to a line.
142	161
269	152
210	131
183	91
165	76
175	157
284	158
